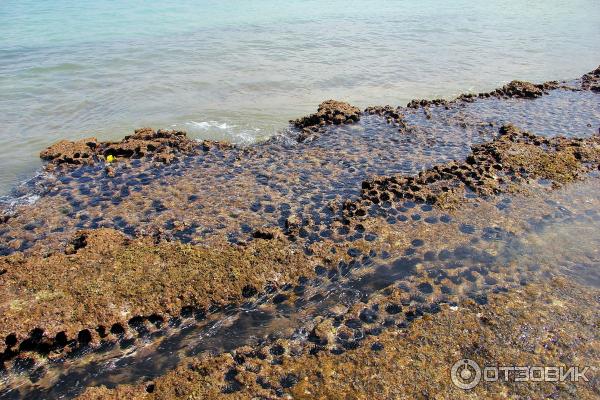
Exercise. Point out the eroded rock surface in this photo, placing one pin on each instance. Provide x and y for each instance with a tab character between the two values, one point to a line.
145	276
329	112
524	90
591	80
106	279
494	167
391	114
541	324
79	152
131	250
161	145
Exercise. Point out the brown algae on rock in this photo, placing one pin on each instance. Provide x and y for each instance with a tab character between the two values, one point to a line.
412	209
328	112
107	279
591	80
492	168
162	145
541	324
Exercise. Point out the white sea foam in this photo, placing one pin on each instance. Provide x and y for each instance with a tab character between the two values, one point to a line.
27	193
9	203
206	125
221	130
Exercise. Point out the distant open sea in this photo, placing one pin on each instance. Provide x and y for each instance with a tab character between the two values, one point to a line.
238	70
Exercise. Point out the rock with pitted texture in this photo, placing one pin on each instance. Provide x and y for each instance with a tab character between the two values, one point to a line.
162	145
329	112
591	80
79	152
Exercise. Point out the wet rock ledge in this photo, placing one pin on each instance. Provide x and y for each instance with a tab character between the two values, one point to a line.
541	324
329	112
500	166
104	284
591	80
161	146
102	280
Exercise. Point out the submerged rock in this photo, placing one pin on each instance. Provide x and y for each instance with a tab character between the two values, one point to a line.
391	114
208	145
237	205
293	224
103	279
540	324
416	103
514	89
267	233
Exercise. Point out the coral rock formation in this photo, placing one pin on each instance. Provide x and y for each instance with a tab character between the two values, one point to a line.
161	145
494	167
329	112
591	80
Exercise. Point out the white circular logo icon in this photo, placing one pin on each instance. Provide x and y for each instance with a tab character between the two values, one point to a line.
465	374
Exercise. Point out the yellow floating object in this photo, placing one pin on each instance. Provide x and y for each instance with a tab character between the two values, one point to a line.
110	158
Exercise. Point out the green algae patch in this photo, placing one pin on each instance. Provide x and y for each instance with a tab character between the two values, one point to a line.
109	279
549	324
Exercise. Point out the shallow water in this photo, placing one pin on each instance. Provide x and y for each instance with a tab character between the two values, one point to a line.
239	70
485	260
487	245
266	183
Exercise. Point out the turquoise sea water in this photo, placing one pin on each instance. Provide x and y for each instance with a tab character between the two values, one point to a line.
238	70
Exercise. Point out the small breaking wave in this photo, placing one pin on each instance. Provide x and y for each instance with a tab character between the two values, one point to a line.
220	130
27	193
206	125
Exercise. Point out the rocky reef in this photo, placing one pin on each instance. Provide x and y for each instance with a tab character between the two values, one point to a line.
514	89
329	112
523	90
591	80
506	164
393	238
492	168
391	114
542	324
104	280
162	145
